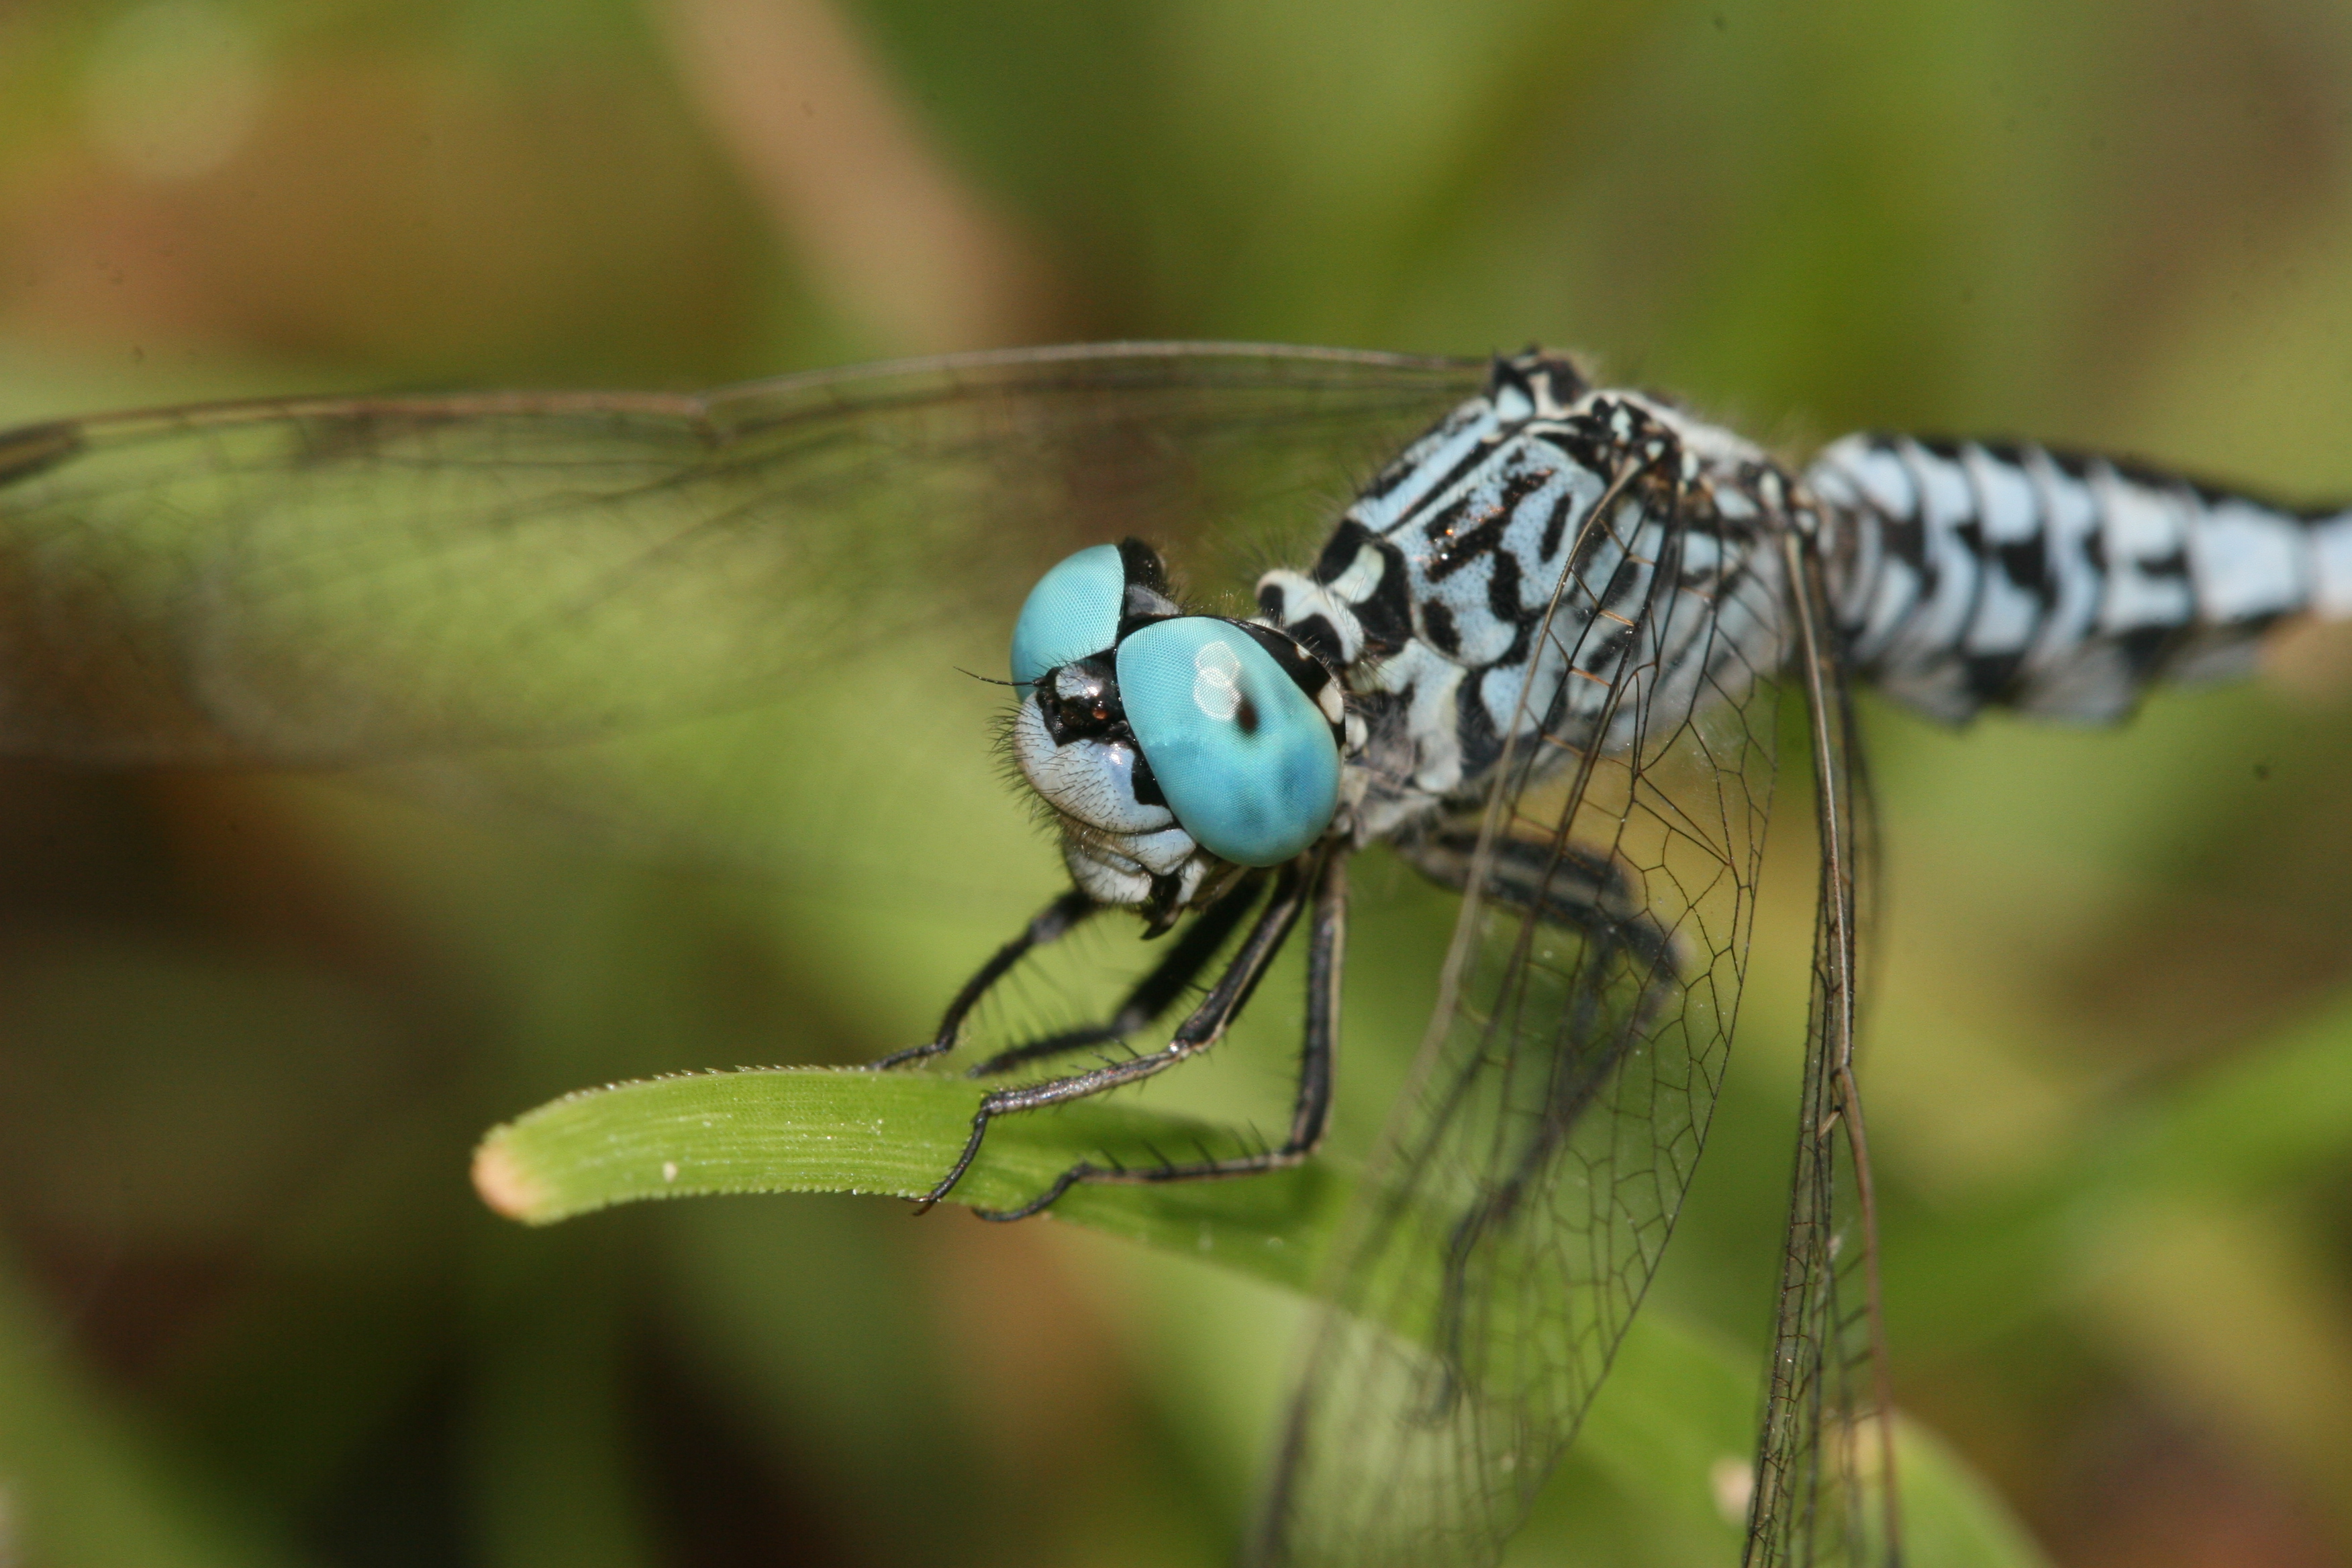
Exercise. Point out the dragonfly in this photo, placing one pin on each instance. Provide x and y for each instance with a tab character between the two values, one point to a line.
1532	635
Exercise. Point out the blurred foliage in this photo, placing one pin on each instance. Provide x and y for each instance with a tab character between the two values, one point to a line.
249	1312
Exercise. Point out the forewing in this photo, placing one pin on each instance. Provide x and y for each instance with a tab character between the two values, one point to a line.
1527	1184
1824	1480
332	583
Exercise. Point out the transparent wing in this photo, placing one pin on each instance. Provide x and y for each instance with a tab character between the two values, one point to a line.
357	582
1826	1483
1529	1179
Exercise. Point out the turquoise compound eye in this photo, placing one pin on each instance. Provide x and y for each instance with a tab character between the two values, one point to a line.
1071	612
1244	757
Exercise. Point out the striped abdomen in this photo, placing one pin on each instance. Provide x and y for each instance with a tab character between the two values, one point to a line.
1968	574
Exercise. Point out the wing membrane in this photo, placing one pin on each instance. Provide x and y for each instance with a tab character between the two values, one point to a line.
329	583
1529	1179
344	583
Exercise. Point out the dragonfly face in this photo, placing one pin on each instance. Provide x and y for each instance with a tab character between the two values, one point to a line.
1176	749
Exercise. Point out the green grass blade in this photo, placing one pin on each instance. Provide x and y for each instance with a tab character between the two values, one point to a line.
844	1130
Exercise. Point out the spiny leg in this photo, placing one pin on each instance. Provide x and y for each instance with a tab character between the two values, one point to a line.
1203	1029
1311	1106
1154	994
1050	924
1562	885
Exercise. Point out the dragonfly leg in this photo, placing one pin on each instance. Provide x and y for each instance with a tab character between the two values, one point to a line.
1562	885
1311	1106
1051	923
1204	1028
1153	995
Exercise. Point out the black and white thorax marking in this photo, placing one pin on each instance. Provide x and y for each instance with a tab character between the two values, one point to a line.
1500	576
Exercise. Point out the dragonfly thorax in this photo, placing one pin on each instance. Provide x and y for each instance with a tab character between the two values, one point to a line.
1549	560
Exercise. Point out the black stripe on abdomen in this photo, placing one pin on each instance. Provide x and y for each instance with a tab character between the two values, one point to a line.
1974	574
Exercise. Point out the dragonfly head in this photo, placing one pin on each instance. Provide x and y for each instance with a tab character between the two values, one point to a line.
1171	747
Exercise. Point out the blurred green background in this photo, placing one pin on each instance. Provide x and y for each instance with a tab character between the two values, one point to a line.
250	1313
